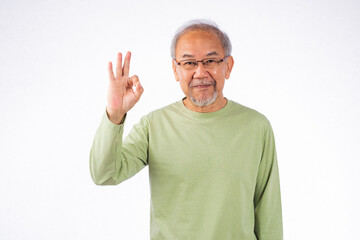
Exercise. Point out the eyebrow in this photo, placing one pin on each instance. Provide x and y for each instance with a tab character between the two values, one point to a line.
212	54
187	55
209	54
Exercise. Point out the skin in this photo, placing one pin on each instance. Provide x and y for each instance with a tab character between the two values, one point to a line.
124	91
200	44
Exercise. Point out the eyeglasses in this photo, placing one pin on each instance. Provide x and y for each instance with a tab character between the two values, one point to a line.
192	64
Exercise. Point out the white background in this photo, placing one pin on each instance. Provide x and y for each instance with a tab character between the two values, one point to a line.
297	62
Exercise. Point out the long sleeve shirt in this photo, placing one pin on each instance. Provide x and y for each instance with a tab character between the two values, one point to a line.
212	175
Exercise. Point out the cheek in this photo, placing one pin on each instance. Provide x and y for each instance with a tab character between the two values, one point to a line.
184	84
185	78
218	75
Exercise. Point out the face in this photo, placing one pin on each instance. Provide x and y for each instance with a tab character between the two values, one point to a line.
202	86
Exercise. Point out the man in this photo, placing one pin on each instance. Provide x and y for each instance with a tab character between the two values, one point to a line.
212	162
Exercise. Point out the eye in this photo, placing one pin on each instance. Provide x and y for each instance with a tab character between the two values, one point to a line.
189	63
210	61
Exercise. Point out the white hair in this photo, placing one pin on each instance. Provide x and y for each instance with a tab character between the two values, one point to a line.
201	24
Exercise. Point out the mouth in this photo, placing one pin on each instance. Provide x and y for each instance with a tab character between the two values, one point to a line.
201	84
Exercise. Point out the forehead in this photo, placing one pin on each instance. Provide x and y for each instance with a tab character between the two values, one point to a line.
198	43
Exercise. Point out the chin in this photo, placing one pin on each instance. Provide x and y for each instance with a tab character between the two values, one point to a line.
203	102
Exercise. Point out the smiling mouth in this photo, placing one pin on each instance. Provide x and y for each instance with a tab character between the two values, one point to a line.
202	86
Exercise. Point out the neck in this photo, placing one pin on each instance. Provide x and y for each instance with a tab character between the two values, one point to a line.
218	104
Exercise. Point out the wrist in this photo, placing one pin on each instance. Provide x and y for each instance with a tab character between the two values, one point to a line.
115	117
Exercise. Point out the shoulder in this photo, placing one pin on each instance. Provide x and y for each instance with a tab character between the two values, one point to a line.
157	116
239	109
167	110
250	115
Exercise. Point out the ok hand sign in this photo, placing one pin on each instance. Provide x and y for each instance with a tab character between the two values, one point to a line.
121	96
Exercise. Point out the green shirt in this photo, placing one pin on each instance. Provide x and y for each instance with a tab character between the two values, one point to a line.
213	176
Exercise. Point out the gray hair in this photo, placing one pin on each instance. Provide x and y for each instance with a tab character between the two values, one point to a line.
201	24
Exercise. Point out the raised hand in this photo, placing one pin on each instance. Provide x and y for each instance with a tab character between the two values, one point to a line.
121	96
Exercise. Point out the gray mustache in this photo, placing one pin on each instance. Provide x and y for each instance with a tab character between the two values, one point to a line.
201	82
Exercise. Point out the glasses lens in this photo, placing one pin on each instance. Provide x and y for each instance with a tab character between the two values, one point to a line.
188	64
211	62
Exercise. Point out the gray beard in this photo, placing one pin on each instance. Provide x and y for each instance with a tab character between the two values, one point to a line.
203	102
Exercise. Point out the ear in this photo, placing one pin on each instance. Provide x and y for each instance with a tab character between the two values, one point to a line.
229	65
174	70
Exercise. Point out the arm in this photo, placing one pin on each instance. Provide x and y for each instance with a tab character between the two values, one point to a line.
113	160
267	199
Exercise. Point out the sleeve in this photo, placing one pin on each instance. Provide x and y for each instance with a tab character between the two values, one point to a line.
267	198
113	160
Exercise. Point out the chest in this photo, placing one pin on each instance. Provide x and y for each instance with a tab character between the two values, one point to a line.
203	152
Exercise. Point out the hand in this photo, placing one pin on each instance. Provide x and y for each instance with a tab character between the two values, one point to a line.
121	96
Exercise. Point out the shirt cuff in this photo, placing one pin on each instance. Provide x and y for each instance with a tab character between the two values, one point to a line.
105	122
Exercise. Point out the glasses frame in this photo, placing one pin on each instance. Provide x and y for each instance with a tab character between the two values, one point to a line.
197	62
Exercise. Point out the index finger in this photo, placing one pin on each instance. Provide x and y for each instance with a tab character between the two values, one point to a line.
110	71
126	68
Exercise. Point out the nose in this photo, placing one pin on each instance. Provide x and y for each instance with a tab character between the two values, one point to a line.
200	71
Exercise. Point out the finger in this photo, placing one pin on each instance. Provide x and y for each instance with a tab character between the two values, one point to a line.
119	65
110	71
126	68
138	88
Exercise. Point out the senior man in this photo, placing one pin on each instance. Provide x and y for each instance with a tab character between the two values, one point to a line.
212	162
